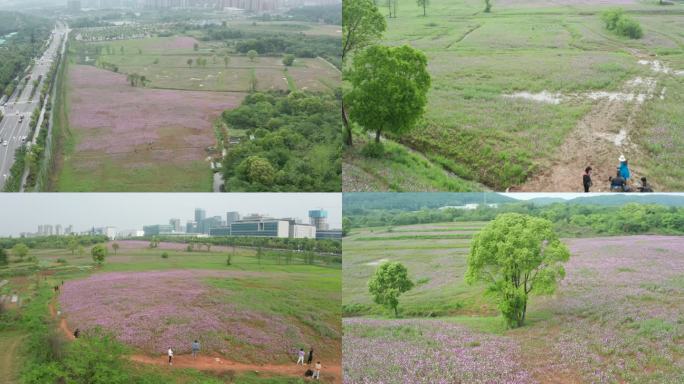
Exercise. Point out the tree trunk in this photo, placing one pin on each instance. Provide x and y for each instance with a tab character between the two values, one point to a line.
424	11
396	313
347	128
377	136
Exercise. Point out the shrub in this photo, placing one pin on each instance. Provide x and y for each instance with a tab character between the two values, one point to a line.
373	150
288	60
611	17
165	255
61	261
629	27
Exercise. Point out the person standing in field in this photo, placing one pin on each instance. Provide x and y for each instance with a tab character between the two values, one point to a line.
586	179
170	353
301	356
317	371
308	360
195	348
624	168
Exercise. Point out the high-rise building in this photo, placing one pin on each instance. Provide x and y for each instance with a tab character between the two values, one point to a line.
191	227
211	222
41	230
158	229
58	230
232	217
200	214
176	224
69	230
47	228
74	5
319	219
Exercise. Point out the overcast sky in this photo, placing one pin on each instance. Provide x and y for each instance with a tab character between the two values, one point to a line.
24	212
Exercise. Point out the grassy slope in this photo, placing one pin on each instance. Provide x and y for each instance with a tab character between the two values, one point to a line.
474	58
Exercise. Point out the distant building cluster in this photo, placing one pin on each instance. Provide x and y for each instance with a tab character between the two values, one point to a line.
255	225
247	5
469	207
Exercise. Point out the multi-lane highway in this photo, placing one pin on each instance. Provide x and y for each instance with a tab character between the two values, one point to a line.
14	127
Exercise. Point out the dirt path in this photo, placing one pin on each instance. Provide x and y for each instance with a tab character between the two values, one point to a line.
329	374
598	140
9	346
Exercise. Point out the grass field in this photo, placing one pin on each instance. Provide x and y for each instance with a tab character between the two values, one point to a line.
616	317
250	312
160	137
495	79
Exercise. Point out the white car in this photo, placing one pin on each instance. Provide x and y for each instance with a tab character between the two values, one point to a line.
4	143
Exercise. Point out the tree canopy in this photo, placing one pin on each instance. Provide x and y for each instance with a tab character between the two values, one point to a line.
389	281
389	89
517	255
99	252
20	250
362	24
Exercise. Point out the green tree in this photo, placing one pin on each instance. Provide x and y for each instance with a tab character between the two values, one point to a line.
388	282
72	245
389	89
424	4
115	247
99	252
3	257
517	255
488	6
256	169
259	254
195	47
226	60
346	226
288	59
189	63
20	250
362	25
252	54
81	250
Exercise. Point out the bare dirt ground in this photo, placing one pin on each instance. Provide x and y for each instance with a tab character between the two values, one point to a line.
598	140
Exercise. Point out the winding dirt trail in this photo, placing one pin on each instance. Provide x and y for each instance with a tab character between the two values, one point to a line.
329	374
9	345
598	140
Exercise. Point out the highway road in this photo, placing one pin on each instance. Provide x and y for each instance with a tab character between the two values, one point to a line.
13	128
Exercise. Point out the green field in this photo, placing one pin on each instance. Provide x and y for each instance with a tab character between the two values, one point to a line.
273	285
616	317
475	131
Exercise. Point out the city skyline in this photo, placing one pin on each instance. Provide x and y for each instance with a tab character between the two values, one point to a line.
24	213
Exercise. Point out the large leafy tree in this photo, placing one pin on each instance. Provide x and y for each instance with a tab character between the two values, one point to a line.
517	255
389	89
3	257
388	283
424	4
362	25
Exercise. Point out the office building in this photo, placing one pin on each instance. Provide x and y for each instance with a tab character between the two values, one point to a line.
200	215
176	224
58	230
158	229
191	227
232	217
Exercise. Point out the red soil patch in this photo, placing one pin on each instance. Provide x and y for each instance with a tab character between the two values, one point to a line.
115	118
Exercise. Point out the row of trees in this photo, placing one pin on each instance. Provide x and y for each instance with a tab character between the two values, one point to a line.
18	51
569	219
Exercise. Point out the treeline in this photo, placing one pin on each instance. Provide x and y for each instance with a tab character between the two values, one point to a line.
329	14
52	242
569	219
320	246
299	45
296	143
16	53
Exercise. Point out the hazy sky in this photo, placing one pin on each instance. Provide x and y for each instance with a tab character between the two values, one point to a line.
568	196
24	212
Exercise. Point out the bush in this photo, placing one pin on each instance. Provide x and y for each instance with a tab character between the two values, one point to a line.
61	261
373	150
629	27
288	60
165	255
616	20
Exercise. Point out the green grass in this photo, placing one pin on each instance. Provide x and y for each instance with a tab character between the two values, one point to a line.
476	58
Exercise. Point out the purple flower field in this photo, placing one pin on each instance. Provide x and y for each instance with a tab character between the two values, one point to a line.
617	317
427	351
154	310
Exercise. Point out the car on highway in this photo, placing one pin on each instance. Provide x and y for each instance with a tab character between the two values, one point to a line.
4	143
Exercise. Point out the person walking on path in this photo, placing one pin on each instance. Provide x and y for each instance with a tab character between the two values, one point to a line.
624	168
317	371
170	353
301	356
195	348
310	358
586	179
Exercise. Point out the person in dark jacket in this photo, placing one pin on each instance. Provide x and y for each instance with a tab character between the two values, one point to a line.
310	358
617	183
586	179
645	186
